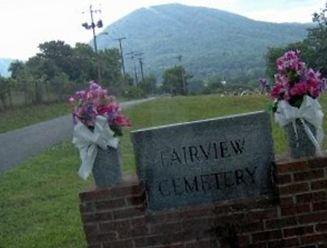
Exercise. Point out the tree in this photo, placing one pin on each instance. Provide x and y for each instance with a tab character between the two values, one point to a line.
317	40
307	54
175	80
59	53
84	63
110	67
15	68
313	48
5	92
148	86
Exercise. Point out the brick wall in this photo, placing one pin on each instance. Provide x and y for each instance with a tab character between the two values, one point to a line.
297	217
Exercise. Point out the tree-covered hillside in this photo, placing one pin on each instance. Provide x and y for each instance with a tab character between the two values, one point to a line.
212	42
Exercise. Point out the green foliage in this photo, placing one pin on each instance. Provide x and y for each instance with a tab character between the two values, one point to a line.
317	40
175	80
307	54
59	69
4	92
313	48
148	86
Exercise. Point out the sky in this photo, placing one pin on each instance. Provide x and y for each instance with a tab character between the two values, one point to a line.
25	24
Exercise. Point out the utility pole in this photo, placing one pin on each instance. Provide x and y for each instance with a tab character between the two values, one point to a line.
141	67
139	55
179	58
132	54
92	26
122	54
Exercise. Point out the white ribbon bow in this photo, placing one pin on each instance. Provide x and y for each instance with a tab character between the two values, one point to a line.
310	111
87	141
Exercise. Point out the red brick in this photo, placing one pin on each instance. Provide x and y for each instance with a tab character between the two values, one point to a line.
308	175
94	195
250	227
267	235
174	245
101	237
110	204
313	239
119	244
162	217
166	228
320	184
284	179
311	197
150	241
293	188
262	214
295	209
289	242
279	223
127	190
291	167
207	243
138	222
318	163
319	206
258	245
200	225
110	193
297	231
287	200
312	217
321	227
104	216
129	212
243	240
201	212
137	232
115	226
135	200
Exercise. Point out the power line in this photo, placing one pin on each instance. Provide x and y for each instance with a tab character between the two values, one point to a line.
92	26
132	57
121	53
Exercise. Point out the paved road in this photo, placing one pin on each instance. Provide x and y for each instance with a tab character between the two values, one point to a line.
18	145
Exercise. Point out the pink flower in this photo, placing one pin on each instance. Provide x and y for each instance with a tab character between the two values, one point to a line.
122	121
95	101
298	89
294	79
278	91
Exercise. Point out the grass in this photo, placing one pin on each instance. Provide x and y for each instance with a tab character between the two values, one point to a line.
27	115
39	199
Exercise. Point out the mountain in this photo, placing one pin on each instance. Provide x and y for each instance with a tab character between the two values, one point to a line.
212	42
4	65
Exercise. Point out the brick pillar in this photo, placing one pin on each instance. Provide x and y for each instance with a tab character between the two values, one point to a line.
116	217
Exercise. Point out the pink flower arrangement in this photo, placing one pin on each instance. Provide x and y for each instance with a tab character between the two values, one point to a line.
294	80
95	101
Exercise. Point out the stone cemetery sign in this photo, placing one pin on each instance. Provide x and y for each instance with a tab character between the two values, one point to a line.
205	161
